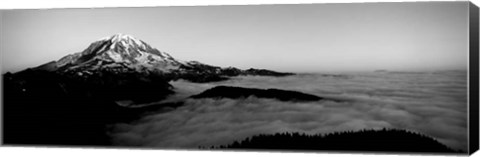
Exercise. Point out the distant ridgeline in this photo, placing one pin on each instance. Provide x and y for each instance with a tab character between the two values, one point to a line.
385	140
240	92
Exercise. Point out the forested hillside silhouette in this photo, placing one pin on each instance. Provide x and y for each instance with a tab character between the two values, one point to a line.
241	92
384	140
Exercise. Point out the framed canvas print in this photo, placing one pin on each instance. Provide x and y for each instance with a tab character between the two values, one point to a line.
355	77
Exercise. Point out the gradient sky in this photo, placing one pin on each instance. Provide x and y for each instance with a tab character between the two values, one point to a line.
298	38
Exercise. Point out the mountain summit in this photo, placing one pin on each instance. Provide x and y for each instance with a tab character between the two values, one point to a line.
121	53
118	51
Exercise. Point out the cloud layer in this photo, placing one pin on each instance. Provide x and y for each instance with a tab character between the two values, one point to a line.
431	103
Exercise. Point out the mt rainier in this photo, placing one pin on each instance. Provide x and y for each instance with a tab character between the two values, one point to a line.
123	53
119	50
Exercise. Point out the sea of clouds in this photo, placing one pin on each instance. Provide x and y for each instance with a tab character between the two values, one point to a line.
434	104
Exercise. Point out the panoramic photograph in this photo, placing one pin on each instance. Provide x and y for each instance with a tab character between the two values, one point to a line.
367	77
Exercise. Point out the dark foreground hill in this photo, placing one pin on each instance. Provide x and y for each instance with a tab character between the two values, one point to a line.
240	92
386	140
47	108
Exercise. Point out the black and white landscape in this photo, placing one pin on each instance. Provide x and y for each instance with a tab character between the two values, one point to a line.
124	92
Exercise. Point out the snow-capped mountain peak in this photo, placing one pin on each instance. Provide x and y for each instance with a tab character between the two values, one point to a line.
125	40
121	55
119	50
120	36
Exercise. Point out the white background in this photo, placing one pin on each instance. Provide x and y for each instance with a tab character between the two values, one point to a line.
82	152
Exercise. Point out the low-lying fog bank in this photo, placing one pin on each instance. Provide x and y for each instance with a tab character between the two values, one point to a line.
434	104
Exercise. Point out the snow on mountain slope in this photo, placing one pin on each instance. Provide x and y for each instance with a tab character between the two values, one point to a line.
119	50
122	53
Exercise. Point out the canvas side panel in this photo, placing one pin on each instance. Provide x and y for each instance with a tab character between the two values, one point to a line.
473	80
